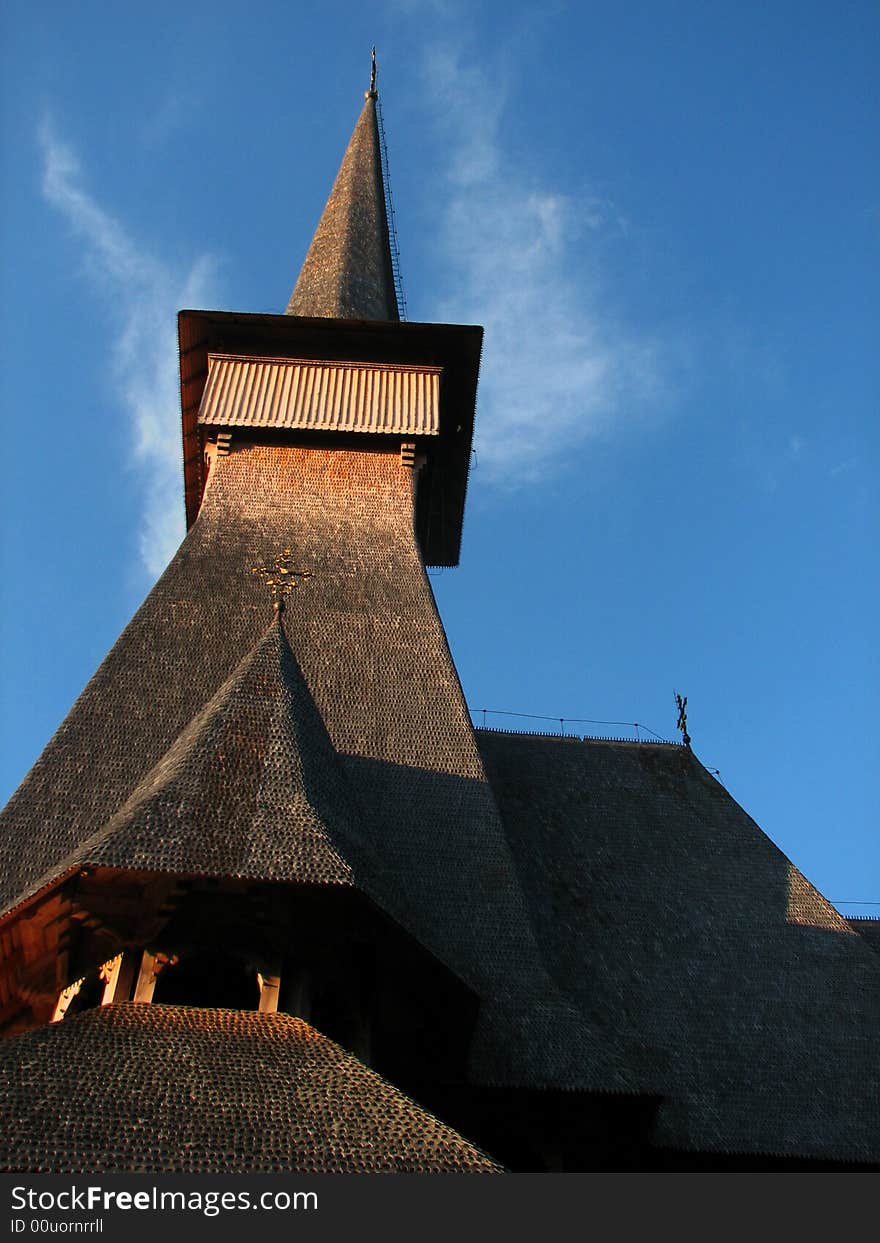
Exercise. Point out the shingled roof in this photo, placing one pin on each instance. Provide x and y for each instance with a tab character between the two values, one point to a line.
868	927
347	273
621	922
366	635
663	911
251	788
177	1090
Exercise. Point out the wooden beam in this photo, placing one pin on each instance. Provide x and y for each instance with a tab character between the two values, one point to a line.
269	986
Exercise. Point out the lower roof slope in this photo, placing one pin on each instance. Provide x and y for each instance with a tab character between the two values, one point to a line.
170	1089
663	910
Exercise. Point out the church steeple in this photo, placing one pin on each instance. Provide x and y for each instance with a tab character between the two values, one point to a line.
347	273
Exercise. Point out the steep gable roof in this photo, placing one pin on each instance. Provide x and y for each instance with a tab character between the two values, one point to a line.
251	788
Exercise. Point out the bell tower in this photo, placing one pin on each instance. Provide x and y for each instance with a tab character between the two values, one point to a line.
269	798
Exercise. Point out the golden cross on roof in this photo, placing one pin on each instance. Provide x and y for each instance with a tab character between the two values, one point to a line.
280	577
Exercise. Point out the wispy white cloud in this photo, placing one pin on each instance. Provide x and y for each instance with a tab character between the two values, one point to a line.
171	113
556	368
146	295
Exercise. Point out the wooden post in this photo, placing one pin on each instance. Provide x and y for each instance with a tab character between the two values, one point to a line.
146	981
65	997
151	966
269	986
108	972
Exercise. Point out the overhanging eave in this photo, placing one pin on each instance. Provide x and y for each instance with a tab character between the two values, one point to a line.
453	347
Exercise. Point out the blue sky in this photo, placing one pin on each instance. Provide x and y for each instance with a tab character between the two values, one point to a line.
667	218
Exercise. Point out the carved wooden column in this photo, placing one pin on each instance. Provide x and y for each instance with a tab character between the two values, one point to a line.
65	997
151	967
118	975
108	973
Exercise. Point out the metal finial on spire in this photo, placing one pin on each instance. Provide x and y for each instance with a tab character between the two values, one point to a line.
372	92
682	722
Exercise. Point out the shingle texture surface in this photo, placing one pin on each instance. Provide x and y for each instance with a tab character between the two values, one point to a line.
171	1089
622	923
366	635
347	272
662	909
868	927
250	788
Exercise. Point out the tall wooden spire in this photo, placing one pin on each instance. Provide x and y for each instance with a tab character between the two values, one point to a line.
347	273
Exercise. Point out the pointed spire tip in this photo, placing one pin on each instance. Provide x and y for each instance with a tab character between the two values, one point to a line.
348	272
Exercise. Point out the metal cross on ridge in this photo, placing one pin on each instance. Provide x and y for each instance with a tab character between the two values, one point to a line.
280	577
682	722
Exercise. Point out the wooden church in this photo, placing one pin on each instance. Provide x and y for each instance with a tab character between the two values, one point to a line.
270	903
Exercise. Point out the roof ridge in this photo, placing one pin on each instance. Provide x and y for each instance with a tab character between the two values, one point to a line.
538	733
